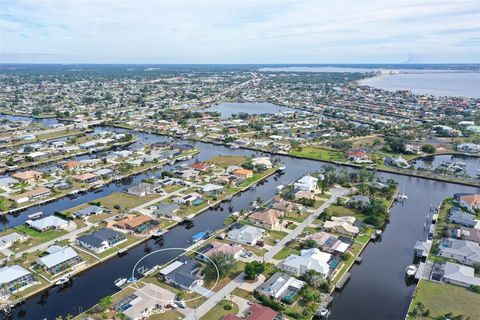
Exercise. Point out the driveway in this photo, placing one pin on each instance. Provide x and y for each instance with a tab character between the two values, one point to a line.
203	291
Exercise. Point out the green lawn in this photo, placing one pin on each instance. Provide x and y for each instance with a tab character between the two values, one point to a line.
285	252
273	235
219	311
341	211
319	153
444	298
344	266
124	200
169	315
226	161
36	237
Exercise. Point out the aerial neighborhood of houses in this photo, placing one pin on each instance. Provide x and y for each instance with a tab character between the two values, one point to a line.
260	213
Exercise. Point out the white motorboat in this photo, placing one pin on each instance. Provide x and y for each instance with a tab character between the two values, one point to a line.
324	313
402	197
234	146
282	168
411	270
63	280
279	188
120	282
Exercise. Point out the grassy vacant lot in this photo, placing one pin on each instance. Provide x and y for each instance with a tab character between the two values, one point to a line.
219	311
125	201
341	211
36	237
442	298
285	252
273	235
319	153
226	161
169	315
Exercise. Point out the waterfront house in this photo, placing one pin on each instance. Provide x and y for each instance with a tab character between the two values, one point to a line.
47	223
216	247
90	210
31	195
182	273
468	147
192	198
262	161
101	240
281	287
28	176
105	173
463	218
471	202
201	166
10	239
140	304
459	275
359	156
15	278
328	242
243	173
246	234
301	194
59	259
310	259
268	219
306	183
464	251
343	225
166	210
138	224
142	189
86	177
72	165
212	189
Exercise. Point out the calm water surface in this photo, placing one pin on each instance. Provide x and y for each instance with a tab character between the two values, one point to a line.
466	84
228	108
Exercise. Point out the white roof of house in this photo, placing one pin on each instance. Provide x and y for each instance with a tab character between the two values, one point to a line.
47	222
11	237
9	274
6	181
465	248
248	233
170	267
211	187
460	273
311	259
58	257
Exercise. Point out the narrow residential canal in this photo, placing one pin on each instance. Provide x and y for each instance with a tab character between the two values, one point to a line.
377	289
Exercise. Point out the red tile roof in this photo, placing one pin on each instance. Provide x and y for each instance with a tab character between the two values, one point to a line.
259	312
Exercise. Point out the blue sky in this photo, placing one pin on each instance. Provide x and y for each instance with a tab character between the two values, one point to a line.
240	31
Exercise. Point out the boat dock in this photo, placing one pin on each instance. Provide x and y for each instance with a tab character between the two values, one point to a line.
343	280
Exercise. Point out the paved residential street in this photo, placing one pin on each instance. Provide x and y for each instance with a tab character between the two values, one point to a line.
240	279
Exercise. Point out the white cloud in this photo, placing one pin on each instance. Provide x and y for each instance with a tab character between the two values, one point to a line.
231	31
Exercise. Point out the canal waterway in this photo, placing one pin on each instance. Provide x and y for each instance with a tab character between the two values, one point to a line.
377	289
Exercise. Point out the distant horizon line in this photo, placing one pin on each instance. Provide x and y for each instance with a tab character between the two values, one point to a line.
238	64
